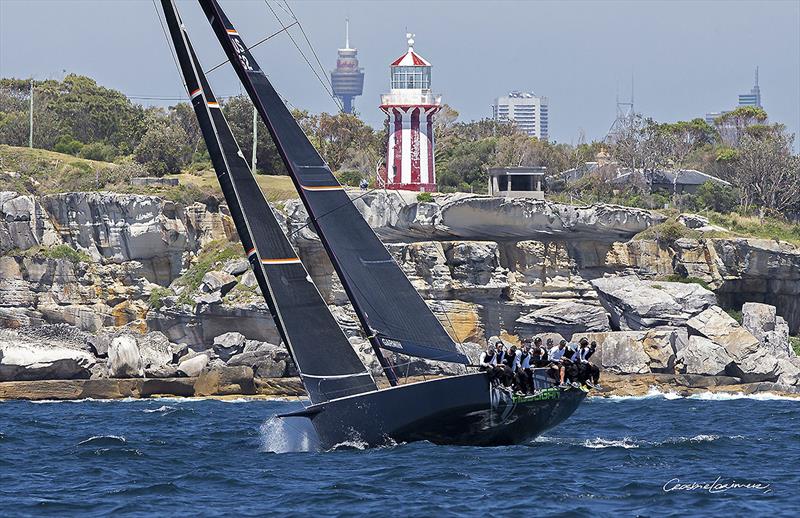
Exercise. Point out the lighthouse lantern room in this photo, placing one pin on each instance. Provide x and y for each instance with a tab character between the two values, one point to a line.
410	106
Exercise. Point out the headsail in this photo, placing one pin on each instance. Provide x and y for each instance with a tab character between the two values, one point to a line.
390	309
328	365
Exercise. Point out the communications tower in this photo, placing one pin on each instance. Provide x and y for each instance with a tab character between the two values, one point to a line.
348	78
410	106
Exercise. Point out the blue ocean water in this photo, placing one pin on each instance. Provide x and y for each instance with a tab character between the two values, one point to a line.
213	458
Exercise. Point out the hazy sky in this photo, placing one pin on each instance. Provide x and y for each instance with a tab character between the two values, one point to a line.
687	57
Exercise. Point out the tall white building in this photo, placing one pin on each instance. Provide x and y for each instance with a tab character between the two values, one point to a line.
528	111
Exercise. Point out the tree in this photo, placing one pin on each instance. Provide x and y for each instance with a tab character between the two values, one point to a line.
338	136
163	149
717	197
239	113
766	172
732	125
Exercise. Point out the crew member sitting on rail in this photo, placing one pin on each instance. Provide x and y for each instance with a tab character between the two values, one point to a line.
581	363
538	354
593	369
524	374
489	361
557	363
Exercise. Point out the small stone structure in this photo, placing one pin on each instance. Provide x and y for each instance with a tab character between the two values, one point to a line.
517	182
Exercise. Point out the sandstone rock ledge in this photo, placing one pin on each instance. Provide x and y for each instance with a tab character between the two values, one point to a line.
208	386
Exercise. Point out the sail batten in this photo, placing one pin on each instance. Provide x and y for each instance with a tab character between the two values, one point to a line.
393	314
327	363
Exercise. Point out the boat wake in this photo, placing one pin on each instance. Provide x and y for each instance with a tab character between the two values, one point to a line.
630	443
654	392
288	435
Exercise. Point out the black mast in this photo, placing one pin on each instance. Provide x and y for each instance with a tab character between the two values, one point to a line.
327	363
391	311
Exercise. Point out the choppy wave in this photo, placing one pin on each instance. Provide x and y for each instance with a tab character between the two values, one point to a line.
728	396
162	410
655	392
103	440
630	442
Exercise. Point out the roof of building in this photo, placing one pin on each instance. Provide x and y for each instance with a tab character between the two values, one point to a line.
681	177
410	59
517	171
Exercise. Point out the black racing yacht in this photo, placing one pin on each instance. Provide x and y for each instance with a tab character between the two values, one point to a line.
347	404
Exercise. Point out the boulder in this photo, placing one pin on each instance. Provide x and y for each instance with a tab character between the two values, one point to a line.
249	279
218	281
565	318
769	329
236	267
751	361
702	356
162	371
266	360
124	358
99	344
636	304
21	360
224	380
693	220
620	352
228	344
209	298
156	350
193	366
789	371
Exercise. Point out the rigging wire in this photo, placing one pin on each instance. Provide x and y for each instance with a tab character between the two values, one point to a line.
255	45
310	46
305	58
169	45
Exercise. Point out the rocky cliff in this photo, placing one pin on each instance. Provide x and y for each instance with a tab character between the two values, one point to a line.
487	266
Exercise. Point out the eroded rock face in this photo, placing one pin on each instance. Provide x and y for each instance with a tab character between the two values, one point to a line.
769	329
636	352
124	358
751	361
636	304
564	318
24	360
702	356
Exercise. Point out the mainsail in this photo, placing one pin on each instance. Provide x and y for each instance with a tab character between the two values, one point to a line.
328	365
391	311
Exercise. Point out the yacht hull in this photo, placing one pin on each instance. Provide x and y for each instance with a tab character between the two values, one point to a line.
461	410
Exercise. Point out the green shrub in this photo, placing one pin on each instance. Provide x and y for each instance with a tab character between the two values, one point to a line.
735	314
68	145
64	252
687	280
157	296
98	151
795	342
214	253
720	198
351	178
667	232
424	197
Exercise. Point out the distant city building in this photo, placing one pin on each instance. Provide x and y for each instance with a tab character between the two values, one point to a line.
526	110
754	97
517	182
348	79
410	106
749	99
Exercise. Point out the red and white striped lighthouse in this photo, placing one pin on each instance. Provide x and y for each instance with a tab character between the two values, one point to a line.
410	106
